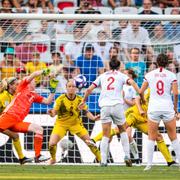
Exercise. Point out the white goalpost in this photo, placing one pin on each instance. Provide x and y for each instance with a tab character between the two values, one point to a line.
63	40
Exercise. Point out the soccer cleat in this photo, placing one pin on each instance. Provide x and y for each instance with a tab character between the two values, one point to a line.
172	164
40	158
147	168
137	162
25	160
128	161
51	161
103	164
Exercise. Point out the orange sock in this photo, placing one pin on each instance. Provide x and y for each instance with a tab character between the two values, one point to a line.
38	139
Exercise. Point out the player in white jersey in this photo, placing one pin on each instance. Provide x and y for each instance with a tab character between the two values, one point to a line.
111	104
161	107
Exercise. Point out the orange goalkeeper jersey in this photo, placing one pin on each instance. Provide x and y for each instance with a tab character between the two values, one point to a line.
20	105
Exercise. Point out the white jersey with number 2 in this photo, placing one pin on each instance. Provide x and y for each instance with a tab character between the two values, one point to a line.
160	82
111	83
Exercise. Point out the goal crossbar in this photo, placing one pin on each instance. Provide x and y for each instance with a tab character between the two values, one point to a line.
89	17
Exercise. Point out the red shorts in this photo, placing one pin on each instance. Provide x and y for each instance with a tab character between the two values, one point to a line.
9	122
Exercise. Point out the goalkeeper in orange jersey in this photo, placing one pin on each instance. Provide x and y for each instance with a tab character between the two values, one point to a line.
12	117
136	117
69	120
7	90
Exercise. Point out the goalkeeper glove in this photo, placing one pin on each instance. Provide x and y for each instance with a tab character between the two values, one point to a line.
53	85
46	71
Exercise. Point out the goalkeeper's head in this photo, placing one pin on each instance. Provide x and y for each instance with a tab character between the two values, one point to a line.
12	83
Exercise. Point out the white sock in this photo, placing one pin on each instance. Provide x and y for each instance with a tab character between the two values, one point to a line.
134	149
150	151
104	149
176	147
125	144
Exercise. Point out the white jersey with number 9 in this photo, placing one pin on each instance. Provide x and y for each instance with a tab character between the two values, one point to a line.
160	82
111	83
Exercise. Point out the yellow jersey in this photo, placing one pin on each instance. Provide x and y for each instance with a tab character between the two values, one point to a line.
5	99
67	110
134	109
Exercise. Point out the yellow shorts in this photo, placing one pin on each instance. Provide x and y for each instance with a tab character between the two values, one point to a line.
138	124
61	130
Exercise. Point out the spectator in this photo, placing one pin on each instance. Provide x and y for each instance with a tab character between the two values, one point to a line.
6	6
112	3
172	28
5	23
102	47
158	34
168	3
74	49
9	64
91	29
89	64
137	65
152	66
116	33
149	25
35	65
21	72
17	30
57	61
47	6
85	7
24	51
67	73
139	37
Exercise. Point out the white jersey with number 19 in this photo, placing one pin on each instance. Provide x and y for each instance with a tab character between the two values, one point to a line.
160	82
111	83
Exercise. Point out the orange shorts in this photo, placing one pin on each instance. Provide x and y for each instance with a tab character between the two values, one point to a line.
9	122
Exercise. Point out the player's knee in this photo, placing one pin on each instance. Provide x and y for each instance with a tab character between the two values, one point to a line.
159	137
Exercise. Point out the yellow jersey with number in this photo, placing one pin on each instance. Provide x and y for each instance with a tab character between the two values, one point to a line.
67	109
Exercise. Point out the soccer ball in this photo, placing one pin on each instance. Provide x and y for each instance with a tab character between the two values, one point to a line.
66	144
80	81
173	154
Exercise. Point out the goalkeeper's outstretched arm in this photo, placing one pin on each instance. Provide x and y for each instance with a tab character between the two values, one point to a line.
35	74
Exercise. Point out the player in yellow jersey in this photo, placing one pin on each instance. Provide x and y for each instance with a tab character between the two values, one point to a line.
7	90
68	119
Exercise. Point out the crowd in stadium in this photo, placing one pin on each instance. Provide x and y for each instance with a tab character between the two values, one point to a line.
27	46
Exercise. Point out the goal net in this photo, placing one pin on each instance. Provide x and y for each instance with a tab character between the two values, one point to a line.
83	44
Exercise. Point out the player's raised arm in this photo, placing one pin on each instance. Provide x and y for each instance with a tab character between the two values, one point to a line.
87	93
35	74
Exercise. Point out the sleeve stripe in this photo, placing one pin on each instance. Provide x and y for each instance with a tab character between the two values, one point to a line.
94	84
174	80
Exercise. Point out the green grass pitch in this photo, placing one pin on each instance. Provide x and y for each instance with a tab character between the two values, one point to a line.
89	172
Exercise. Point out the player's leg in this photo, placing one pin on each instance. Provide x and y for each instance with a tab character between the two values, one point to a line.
143	127
171	130
7	122
99	136
152	136
106	120
164	150
119	120
25	127
133	145
57	134
81	132
17	145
